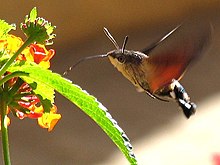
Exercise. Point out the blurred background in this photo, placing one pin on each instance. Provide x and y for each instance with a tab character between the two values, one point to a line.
159	132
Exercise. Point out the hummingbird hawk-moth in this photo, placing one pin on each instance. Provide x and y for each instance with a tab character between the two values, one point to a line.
158	68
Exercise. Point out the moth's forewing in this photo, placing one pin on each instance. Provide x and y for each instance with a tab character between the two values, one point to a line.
169	59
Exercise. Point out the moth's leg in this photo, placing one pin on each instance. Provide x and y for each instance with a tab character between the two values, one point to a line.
149	93
154	96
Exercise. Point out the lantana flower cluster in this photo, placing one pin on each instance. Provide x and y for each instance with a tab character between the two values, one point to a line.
22	101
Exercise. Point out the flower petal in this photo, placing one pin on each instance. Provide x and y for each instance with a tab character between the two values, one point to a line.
49	120
40	55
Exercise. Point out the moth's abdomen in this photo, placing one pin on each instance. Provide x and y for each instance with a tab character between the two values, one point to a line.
176	92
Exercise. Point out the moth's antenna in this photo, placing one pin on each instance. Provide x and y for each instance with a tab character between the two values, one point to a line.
124	44
108	34
84	59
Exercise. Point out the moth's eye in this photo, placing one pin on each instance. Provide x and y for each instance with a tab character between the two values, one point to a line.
121	59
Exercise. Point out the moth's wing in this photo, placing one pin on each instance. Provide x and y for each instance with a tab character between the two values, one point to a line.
155	44
169	58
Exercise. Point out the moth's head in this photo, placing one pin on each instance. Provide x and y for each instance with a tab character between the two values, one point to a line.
124	57
120	57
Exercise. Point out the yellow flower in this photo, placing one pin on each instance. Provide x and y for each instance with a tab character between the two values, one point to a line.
3	45
49	120
13	43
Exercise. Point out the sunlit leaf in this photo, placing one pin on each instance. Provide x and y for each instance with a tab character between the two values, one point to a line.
33	14
84	101
5	28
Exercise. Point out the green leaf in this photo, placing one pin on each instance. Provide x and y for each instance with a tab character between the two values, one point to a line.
84	101
33	14
40	88
5	28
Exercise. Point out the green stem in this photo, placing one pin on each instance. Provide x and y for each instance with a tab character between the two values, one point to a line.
12	75
11	60
4	131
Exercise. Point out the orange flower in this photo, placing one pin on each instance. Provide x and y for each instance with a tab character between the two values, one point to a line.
40	55
45	119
